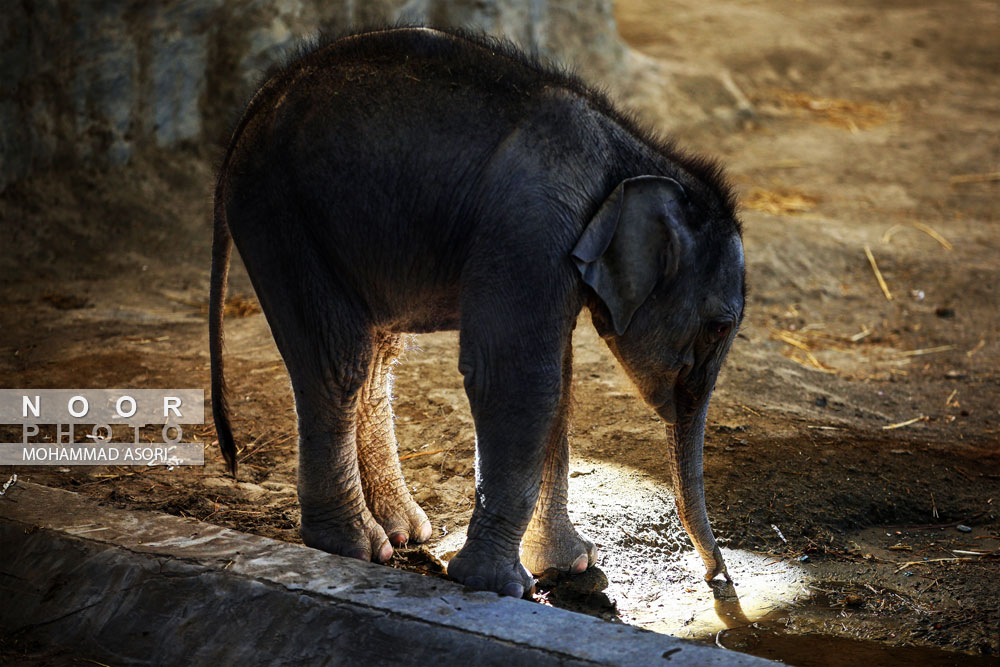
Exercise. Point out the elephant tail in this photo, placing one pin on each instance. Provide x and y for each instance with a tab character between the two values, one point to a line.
222	247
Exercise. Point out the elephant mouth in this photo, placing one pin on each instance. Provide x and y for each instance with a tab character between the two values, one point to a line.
666	409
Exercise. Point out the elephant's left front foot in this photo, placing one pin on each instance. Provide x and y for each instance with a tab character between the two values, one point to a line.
557	546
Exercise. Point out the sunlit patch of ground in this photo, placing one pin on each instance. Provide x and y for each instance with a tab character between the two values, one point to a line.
647	572
655	578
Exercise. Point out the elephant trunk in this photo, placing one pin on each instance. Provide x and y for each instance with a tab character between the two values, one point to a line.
684	460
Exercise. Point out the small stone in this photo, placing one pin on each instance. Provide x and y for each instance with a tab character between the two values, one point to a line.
962	528
803	559
821	401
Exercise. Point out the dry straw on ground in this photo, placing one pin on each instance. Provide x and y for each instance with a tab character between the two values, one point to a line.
805	343
241	306
987	177
236	306
926	229
878	274
785	201
849	114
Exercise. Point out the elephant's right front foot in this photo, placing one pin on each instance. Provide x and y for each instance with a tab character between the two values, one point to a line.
357	536
488	570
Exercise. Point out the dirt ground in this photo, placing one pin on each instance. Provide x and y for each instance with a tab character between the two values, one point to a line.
851	460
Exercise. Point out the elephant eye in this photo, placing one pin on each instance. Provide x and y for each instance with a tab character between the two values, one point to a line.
719	330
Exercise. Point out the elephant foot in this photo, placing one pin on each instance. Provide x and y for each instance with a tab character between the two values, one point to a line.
359	537
401	518
560	547
482	570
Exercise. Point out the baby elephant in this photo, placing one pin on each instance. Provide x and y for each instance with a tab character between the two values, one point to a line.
416	180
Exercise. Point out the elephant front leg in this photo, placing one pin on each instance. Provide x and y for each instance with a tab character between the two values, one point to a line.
551	540
385	490
514	390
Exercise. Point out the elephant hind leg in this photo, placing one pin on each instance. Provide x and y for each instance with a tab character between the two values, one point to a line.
328	382
325	340
385	491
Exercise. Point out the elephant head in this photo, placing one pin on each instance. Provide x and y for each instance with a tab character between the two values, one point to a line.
668	280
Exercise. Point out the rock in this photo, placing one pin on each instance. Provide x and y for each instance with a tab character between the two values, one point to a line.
962	528
177	84
93	84
104	82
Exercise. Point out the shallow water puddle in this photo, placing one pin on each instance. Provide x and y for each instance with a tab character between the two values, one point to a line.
770	638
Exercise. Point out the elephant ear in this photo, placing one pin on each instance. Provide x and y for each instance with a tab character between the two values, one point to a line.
632	242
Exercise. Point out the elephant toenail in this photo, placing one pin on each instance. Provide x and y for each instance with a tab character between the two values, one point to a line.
360	554
423	533
399	539
513	590
579	565
385	552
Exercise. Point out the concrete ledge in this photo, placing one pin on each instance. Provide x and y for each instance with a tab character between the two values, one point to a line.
140	588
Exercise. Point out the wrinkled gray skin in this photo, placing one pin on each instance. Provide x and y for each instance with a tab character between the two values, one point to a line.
411	180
